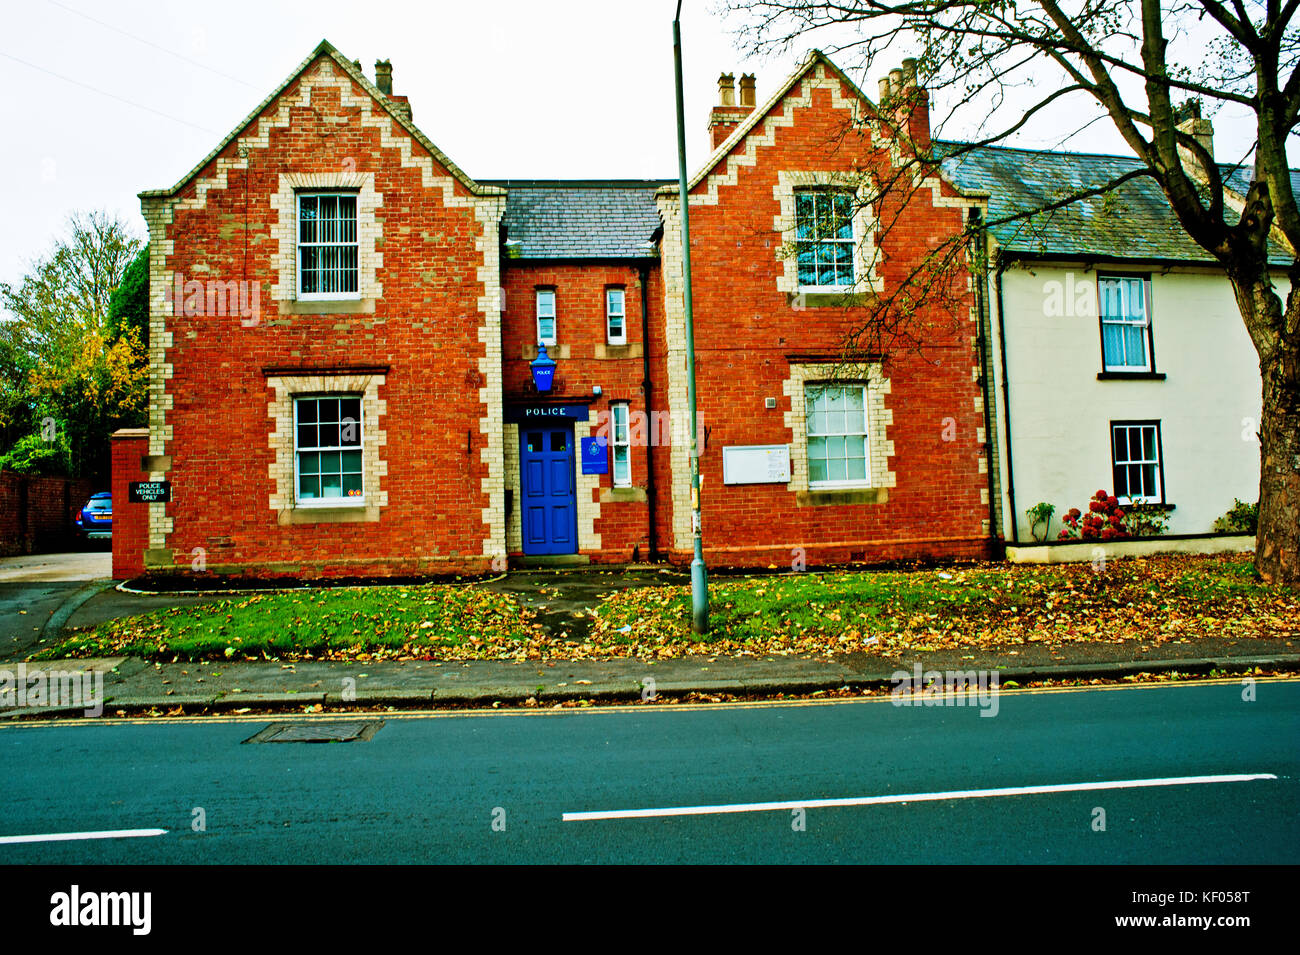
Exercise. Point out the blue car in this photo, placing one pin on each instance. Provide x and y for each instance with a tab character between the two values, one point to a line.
95	520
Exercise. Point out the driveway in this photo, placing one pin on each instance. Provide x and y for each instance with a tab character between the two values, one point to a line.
34	586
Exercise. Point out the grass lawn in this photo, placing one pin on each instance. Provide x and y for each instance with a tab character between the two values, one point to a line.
439	621
1156	599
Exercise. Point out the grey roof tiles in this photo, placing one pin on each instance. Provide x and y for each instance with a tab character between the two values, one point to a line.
609	219
1131	221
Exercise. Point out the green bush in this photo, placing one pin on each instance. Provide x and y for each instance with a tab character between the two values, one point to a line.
1242	518
36	456
1145	520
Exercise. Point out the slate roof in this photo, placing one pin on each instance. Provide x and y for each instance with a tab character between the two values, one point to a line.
588	219
1133	221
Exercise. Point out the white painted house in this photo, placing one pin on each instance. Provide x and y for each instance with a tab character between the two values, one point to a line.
1118	357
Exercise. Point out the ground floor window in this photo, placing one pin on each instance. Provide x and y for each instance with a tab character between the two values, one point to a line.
836	416
1135	458
327	449
621	443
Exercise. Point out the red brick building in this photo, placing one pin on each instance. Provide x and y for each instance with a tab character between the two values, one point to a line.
344	326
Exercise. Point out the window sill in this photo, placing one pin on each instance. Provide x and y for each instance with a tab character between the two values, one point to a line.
1140	507
617	495
329	514
554	351
840	496
613	351
329	306
829	297
1130	376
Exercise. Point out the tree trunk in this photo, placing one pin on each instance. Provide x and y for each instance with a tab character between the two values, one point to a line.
1274	329
1277	549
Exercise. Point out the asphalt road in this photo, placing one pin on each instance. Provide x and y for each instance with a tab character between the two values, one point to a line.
429	788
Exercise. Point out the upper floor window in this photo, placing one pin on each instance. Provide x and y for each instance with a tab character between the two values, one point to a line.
1135	458
824	237
1125	323
615	317
327	246
327	450
837	435
546	316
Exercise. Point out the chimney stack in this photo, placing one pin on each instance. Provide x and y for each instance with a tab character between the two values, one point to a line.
729	114
1188	118
384	81
907	105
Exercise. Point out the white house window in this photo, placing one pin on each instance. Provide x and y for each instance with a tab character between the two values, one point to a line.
327	450
837	435
824	237
615	319
1135	450
546	316
327	246
1125	323
622	444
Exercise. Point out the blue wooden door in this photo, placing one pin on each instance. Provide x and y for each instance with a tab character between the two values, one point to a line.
549	508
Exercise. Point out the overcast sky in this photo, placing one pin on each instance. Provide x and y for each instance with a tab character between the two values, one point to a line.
105	99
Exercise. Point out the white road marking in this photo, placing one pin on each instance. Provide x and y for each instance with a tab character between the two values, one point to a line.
74	836
911	797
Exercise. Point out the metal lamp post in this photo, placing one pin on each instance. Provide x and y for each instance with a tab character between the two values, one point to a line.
699	576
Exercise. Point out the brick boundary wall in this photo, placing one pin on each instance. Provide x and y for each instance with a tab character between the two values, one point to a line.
130	521
37	513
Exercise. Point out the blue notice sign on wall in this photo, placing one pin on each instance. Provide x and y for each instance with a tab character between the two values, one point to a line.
594	458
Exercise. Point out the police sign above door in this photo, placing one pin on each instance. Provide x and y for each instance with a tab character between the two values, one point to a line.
543	411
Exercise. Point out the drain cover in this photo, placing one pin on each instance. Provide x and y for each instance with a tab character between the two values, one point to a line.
339	731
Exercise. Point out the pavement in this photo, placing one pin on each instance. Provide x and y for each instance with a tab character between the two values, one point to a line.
131	685
62	591
1156	774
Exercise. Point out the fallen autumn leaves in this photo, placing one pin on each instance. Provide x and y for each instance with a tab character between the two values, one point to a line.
985	607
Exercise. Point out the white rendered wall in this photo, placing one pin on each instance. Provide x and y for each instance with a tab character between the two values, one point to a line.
1208	405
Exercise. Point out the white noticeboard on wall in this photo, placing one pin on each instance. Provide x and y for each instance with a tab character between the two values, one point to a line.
756	464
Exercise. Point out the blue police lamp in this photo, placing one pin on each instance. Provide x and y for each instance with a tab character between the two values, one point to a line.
543	369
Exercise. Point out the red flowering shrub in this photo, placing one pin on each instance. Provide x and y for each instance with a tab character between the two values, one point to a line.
1104	520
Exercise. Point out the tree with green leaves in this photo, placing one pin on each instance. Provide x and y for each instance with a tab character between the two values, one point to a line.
1004	67
74	362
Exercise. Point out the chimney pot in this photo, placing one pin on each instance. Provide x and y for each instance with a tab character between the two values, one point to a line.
909	72
884	90
727	89
895	81
384	76
747	90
